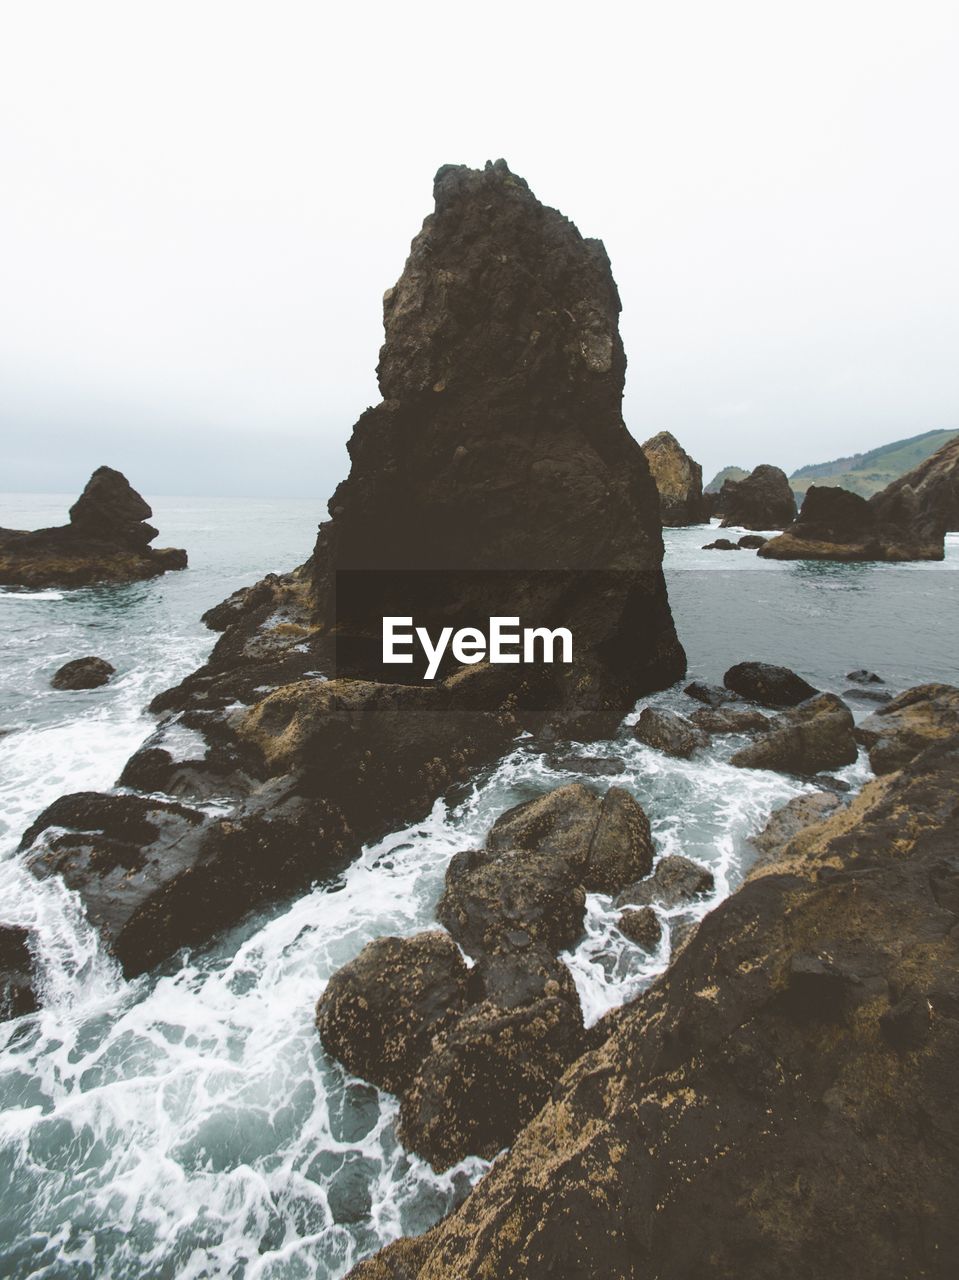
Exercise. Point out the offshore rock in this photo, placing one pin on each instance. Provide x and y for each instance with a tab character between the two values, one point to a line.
767	684
932	487
496	477
107	540
803	1041
763	500
837	525
896	733
641	926
83	673
811	738
679	481
669	732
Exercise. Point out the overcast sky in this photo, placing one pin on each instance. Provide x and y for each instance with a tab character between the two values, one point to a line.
202	204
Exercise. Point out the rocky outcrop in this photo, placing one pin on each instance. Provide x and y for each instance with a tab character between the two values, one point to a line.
932	487
763	500
679	481
107	540
83	673
815	736
497	477
767	684
896	733
722	544
677	880
17	988
800	812
836	525
669	732
781	1103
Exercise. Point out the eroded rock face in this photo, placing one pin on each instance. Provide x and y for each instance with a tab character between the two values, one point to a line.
933	489
837	525
896	733
763	500
496	477
806	1037
815	736
107	540
679	481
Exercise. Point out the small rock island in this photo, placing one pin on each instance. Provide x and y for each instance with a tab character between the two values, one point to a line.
107	540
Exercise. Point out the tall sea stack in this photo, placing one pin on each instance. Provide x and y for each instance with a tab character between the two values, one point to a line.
497	477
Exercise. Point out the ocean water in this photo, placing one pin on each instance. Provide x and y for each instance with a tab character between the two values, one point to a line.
188	1124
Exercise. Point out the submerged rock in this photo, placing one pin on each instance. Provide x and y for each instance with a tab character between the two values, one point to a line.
837	525
83	673
764	500
811	738
669	732
774	1102
767	684
17	993
679	481
896	733
107	540
496	477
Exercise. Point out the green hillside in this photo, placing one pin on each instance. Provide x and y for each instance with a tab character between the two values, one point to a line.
868	473
727	473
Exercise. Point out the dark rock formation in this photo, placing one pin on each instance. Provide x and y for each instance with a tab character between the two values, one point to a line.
896	733
711	695
722	544
641	926
675	881
497	477
752	541
800	812
931	488
669	732
769	685
596	766
837	525
862	676
83	673
781	1103
107	540
679	481
379	1013
763	500
815	736
17	995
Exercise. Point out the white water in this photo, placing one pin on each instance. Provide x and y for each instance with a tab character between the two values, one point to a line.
188	1124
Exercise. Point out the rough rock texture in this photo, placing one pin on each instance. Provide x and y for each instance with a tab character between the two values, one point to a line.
641	926
711	695
675	881
496	477
107	540
730	720
837	525
933	488
782	1103
17	995
669	732
897	732
769	685
722	544
815	736
763	500
800	812
752	541
83	673
379	1013
679	481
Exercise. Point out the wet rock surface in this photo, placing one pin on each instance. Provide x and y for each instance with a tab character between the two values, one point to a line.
107	540
497	477
803	1040
730	719
17	990
676	880
679	481
669	732
764	500
896	733
711	695
769	685
800	812
641	926
815	736
837	525
83	673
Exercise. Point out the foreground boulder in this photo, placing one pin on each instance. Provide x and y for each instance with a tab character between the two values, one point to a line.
496	477
896	733
679	481
17	993
767	684
83	673
764	500
837	525
813	737
781	1103
107	540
